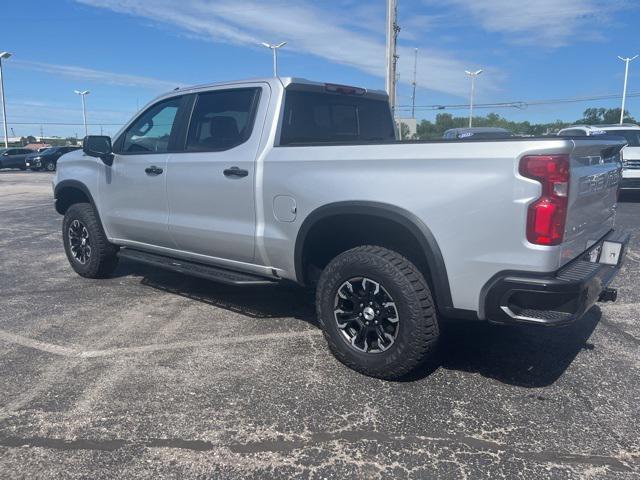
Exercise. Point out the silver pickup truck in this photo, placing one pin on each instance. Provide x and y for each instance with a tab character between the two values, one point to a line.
283	179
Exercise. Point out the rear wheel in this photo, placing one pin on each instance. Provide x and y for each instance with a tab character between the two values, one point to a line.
85	243
376	312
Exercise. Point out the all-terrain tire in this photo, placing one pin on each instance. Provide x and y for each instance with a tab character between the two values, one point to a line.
418	330
102	258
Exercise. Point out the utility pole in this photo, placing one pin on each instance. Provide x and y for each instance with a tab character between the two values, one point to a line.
274	49
473	76
626	78
4	56
393	29
83	94
415	77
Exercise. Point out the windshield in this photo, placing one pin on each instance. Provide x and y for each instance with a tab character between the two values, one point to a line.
631	136
48	150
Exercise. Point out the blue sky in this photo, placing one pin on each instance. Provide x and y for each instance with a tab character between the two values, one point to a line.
128	51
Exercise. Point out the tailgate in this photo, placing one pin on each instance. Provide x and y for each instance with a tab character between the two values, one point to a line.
596	169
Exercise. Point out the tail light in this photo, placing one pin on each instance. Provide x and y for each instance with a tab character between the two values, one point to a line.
547	216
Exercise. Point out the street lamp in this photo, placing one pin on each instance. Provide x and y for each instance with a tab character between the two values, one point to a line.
84	108
4	56
626	77
473	76
274	49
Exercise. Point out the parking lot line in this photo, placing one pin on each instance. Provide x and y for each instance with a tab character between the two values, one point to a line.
120	351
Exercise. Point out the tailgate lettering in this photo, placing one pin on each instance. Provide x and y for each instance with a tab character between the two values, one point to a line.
598	183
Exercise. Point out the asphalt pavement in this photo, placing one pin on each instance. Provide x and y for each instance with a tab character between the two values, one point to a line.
152	374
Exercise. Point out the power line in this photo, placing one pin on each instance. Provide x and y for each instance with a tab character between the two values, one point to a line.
518	104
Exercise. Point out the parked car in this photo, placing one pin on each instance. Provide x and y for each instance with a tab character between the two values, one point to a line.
47	159
287	180
476	133
630	154
14	157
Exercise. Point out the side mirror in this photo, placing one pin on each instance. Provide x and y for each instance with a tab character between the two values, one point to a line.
98	146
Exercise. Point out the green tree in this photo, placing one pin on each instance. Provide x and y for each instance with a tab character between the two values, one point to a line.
606	116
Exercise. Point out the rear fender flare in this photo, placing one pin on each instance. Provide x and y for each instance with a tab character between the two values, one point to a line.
418	229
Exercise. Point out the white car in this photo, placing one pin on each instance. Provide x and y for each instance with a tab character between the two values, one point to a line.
630	154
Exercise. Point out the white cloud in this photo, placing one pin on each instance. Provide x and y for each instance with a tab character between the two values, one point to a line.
330	32
548	23
97	76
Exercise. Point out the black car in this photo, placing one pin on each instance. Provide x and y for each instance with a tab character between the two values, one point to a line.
47	159
14	157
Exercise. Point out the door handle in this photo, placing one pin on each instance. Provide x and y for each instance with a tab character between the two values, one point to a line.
235	172
153	170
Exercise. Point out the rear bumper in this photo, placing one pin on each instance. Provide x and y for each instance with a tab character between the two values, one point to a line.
552	299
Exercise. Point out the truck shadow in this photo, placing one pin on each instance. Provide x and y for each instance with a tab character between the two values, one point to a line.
525	356
260	302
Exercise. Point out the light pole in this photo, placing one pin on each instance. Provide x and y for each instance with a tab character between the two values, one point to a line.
84	109
4	56
626	77
473	76
392	32
274	49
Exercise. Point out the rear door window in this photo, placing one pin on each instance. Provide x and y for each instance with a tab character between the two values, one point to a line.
222	119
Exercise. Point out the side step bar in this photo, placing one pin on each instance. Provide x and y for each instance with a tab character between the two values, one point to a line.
216	274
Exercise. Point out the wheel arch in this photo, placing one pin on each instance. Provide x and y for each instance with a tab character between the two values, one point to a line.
406	221
68	192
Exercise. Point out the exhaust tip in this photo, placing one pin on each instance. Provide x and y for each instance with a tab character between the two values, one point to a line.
608	295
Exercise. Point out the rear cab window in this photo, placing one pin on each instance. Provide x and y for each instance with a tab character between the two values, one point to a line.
313	115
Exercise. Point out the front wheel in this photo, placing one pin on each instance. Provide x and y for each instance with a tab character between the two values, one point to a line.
85	243
376	312
50	167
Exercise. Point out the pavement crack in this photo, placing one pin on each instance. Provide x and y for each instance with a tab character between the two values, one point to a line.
285	446
475	443
108	445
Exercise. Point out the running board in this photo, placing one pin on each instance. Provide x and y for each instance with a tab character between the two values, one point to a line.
216	274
